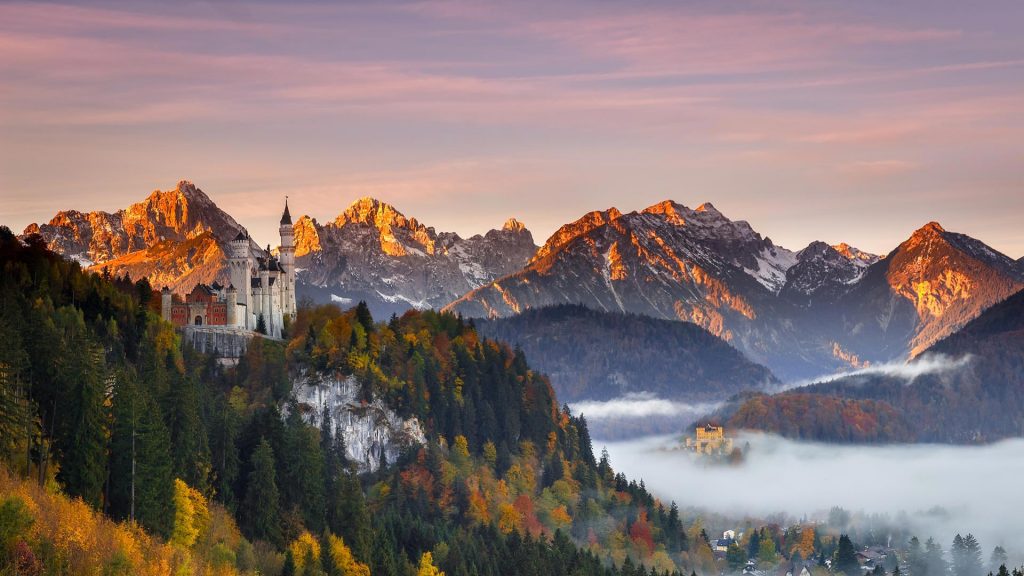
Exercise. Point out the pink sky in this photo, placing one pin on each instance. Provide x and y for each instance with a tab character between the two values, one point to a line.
844	122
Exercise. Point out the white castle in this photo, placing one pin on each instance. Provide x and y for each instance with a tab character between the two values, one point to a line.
261	293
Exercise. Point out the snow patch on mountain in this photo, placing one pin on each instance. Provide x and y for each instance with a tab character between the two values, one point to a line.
396	298
772	265
341	300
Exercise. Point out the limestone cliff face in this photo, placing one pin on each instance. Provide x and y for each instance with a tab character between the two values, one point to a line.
175	238
373	252
372	431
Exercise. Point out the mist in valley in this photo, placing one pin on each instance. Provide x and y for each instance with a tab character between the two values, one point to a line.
639	414
935	490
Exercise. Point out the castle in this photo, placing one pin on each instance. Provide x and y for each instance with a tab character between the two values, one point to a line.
260	296
710	440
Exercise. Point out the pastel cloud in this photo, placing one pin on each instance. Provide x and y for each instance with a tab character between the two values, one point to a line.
747	106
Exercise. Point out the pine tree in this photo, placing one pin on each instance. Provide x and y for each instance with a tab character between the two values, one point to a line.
82	438
934	558
224	448
364	317
288	569
261	324
735	556
972	565
16	408
846	557
754	544
123	443
261	512
303	463
189	447
350	518
997	559
154	479
916	558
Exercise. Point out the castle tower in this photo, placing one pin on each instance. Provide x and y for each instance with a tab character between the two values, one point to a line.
264	306
286	257
166	302
232	305
240	262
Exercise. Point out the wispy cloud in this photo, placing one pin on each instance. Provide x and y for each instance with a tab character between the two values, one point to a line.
908	372
640	405
751	105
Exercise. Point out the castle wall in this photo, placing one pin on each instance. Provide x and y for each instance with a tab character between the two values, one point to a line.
224	341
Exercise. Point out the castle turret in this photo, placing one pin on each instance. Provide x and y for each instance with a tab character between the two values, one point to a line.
265	300
166	301
232	305
286	257
240	262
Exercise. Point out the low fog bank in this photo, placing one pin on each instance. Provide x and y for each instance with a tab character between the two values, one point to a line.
927	364
638	414
976	487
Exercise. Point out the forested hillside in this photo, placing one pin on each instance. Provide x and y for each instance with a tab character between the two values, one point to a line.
968	387
594	355
101	402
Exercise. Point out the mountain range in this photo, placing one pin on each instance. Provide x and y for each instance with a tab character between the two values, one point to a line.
372	252
967	387
802	314
822	309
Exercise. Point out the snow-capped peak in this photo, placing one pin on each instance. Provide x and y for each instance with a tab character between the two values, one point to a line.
856	256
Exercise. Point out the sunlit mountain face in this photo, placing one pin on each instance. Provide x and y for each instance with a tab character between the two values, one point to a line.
175	238
814	311
802	314
373	252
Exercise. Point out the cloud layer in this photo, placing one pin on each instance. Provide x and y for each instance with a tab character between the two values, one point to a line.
975	486
804	118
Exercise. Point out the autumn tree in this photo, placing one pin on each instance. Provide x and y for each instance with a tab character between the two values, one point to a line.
426	567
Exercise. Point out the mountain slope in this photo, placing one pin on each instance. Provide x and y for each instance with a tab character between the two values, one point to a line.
175	238
373	252
968	387
669	262
928	287
821	310
592	355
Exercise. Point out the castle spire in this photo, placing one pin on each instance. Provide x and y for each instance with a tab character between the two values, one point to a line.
286	218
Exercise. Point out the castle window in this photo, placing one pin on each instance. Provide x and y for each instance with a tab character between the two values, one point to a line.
199	320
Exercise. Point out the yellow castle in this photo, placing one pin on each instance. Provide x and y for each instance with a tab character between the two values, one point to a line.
710	440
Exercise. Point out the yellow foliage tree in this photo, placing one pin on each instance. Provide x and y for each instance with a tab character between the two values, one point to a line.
460	449
343	560
301	548
508	519
191	515
427	567
805	545
80	540
490	453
